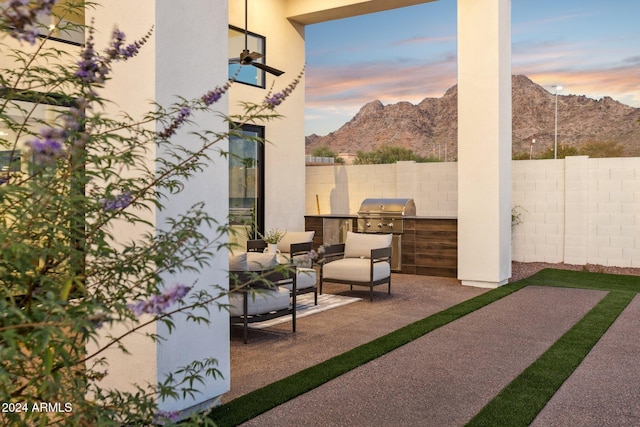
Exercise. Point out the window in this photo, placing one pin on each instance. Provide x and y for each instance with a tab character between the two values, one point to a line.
12	145
9	161
246	180
66	22
254	43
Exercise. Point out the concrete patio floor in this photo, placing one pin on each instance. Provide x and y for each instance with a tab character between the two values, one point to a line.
275	353
445	377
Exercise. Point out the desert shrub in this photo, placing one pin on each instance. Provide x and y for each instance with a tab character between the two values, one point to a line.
71	177
324	151
600	149
386	154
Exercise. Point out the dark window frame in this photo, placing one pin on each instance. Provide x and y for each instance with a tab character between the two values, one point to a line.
260	177
261	73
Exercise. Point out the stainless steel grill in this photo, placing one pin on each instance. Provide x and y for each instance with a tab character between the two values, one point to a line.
386	216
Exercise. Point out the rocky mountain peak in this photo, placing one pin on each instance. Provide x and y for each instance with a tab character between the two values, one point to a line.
430	127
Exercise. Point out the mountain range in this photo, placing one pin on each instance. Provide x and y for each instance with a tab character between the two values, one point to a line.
430	127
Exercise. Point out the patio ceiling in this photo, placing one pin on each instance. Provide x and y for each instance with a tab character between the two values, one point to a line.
315	11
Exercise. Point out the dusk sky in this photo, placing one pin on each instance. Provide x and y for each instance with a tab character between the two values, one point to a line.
590	47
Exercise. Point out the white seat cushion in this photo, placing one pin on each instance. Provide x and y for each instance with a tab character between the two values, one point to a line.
257	261
355	270
358	245
303	260
259	302
305	278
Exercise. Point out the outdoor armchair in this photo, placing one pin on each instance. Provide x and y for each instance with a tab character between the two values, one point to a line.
261	295
299	255
363	260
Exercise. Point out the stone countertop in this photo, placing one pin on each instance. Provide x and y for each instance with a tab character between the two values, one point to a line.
356	216
430	217
331	216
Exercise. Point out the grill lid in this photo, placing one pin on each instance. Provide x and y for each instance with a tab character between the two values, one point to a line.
389	207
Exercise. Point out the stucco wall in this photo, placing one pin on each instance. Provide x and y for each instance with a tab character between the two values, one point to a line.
284	152
172	64
579	210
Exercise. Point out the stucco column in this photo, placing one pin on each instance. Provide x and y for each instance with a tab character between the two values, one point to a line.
186	56
484	142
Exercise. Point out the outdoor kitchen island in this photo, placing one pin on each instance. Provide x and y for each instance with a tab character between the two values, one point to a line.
429	245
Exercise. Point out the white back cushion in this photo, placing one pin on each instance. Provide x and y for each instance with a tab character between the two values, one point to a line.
359	245
290	237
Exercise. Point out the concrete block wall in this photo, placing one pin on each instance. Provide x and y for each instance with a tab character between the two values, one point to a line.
340	189
614	212
436	189
578	211
538	199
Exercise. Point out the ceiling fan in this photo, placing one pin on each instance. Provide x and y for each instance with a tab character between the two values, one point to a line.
249	58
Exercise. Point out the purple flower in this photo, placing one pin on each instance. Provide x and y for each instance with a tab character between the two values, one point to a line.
183	115
117	51
72	119
93	68
119	202
20	16
275	100
272	101
212	96
157	304
50	148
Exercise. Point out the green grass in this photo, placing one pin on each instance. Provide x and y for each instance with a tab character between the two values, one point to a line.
259	401
520	402
517	404
584	280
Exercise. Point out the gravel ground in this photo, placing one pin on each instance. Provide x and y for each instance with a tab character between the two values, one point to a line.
521	270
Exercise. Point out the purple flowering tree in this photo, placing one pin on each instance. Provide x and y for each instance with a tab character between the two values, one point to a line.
62	194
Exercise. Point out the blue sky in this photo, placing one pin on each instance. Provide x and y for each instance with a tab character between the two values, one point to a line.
591	47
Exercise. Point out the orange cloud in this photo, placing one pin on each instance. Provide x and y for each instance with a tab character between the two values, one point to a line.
388	82
341	90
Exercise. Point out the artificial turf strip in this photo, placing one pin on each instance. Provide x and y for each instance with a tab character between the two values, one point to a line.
520	402
584	280
259	401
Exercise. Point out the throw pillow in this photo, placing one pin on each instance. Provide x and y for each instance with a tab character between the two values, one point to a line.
238	262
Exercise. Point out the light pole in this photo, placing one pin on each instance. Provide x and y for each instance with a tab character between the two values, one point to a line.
533	141
555	143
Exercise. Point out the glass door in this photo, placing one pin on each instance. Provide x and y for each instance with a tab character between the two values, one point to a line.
246	183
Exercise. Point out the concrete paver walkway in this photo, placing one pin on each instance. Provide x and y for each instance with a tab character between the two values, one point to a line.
445	377
277	353
605	389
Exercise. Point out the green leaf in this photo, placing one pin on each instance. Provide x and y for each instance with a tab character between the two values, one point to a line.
48	360
66	289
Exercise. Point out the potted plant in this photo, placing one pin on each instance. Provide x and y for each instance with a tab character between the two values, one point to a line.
271	238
